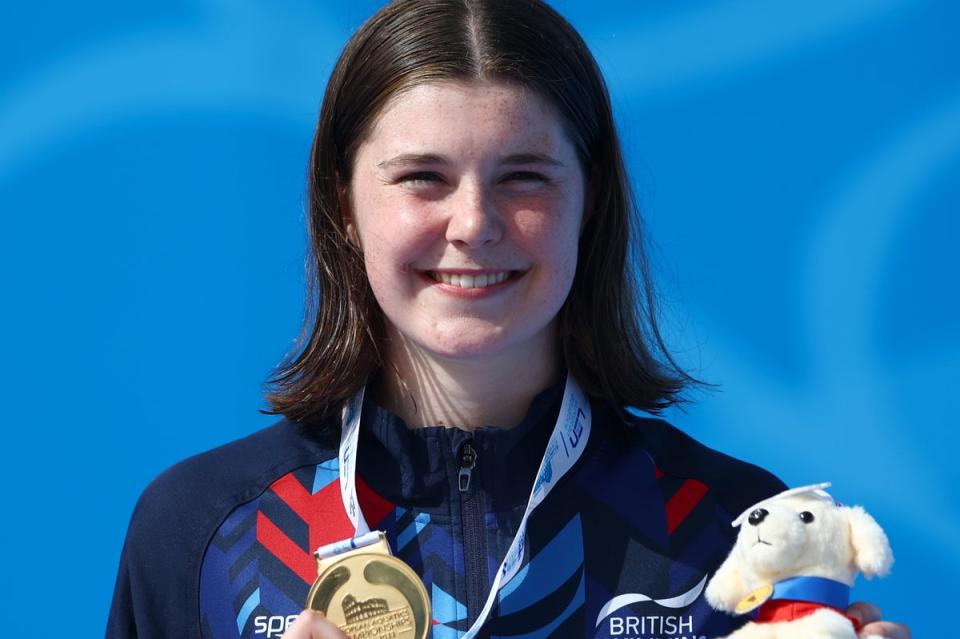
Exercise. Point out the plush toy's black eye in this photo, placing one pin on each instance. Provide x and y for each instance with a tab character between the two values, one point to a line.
806	516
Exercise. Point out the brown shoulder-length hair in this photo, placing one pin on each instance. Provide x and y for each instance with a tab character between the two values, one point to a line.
609	338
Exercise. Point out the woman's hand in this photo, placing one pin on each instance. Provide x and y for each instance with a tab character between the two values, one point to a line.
873	625
311	624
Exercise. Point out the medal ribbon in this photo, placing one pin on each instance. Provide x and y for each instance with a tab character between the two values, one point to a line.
346	545
348	463
567	442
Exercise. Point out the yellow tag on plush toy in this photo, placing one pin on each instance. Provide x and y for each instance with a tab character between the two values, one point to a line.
754	600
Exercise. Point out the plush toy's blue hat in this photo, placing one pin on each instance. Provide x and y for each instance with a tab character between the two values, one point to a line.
814	490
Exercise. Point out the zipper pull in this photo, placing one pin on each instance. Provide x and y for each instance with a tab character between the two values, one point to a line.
468	459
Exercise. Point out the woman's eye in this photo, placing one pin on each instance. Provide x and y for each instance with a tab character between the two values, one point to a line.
421	177
525	181
526	176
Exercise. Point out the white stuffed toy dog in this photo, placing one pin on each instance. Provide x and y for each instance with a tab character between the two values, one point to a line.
795	559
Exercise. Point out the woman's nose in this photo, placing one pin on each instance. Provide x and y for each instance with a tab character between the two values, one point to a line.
473	218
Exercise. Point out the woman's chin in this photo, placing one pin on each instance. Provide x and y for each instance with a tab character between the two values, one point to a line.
479	343
472	348
483	340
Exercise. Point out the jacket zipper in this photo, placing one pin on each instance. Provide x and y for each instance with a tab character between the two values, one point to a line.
474	539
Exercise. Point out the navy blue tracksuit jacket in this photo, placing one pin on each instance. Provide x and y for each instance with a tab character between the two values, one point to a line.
219	546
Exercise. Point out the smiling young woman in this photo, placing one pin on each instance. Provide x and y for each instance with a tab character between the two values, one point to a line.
386	79
476	331
469	236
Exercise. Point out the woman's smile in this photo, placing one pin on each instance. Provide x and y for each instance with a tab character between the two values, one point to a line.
470	279
471	284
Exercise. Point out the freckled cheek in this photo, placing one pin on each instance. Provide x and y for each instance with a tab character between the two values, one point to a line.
394	236
552	236
390	263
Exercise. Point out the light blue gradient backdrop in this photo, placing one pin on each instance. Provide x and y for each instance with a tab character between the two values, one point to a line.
798	167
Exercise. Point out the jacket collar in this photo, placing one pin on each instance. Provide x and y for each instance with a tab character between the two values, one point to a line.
420	467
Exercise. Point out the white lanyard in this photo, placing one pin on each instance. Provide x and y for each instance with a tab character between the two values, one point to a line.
348	463
566	444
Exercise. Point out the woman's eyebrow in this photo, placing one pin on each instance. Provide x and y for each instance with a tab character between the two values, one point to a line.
531	158
413	159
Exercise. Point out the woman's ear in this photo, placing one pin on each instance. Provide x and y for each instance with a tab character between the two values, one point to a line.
346	214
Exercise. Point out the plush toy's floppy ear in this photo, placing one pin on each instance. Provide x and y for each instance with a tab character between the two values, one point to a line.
727	587
871	550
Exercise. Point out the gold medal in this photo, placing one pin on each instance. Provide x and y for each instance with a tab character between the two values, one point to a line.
368	593
754	600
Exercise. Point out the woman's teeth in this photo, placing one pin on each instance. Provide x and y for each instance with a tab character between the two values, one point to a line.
470	281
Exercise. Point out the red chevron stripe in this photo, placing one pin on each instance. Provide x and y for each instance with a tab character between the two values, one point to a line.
294	495
325	518
683	502
322	512
374	507
284	549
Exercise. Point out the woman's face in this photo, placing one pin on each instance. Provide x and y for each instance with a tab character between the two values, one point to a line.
467	201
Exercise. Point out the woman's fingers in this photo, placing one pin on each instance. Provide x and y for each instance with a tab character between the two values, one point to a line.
873	625
886	629
865	611
311	624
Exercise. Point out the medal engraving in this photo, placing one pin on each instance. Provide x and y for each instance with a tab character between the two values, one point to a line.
370	594
374	619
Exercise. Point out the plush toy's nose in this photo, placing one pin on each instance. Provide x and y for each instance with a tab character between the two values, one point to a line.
757	516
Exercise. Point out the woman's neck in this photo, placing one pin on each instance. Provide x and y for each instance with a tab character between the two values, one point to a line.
426	390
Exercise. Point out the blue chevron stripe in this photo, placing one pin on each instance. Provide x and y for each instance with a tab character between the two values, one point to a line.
217	589
413	530
514	583
247	609
439	631
547	630
277	601
327	473
552	567
446	609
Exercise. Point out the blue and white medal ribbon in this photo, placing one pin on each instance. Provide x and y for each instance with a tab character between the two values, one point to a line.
567	442
348	463
346	545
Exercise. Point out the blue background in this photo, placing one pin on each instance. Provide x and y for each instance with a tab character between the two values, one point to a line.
797	163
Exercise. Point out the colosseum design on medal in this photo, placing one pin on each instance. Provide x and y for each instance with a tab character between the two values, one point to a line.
370	594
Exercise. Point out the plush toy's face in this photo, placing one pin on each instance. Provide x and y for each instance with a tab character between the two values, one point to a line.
796	535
